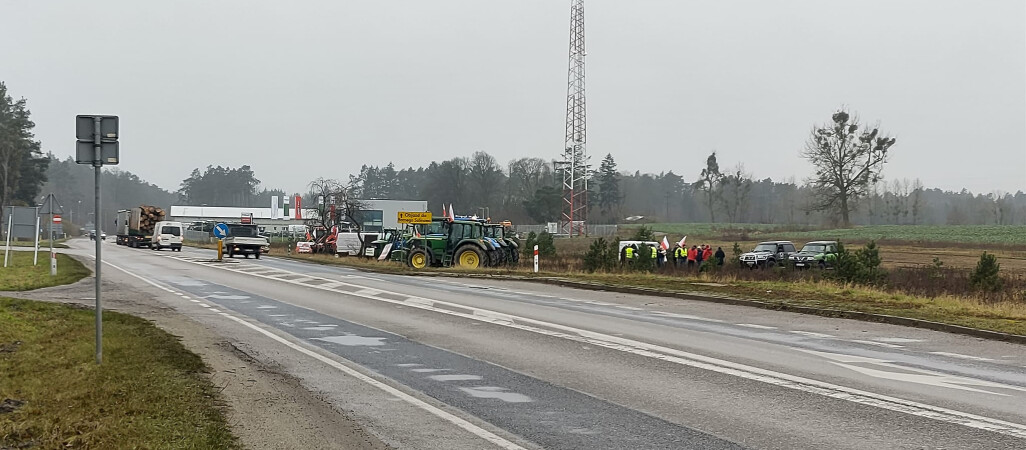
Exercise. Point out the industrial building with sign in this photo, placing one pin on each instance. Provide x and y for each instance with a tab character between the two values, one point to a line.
375	216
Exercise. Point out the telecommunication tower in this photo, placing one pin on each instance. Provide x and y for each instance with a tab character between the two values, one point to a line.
575	164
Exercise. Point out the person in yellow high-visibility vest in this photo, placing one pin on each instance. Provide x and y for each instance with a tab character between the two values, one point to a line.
628	253
679	255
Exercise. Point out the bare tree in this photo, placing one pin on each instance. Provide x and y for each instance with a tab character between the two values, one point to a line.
917	201
734	190
708	181
337	205
847	162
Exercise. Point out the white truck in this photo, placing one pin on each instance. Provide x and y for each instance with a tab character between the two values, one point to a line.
243	240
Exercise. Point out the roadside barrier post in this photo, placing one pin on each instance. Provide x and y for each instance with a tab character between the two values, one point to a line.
53	263
220	250
535	259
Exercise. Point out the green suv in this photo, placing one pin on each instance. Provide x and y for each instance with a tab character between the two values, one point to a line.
820	254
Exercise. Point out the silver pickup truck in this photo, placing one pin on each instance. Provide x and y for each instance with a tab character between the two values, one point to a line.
243	240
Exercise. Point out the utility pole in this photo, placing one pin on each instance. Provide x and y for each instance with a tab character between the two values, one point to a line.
575	164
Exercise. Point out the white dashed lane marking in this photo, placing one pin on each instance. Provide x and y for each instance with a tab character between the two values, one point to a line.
959	355
878	344
752	325
812	334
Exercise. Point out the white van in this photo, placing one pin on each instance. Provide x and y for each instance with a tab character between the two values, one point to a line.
167	235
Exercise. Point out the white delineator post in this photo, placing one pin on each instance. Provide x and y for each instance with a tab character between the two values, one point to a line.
10	224
535	259
35	251
53	263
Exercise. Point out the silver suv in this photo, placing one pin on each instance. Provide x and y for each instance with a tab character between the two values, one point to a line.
768	254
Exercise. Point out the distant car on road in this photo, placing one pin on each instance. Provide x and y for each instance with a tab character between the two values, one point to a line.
768	254
820	254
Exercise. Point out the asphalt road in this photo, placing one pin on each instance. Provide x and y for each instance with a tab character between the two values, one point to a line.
429	362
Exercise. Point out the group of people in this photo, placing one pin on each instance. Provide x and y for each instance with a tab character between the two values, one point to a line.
680	256
695	255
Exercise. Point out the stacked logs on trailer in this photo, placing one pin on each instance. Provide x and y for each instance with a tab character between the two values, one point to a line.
149	216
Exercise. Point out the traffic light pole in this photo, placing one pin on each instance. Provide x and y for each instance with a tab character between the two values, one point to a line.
97	162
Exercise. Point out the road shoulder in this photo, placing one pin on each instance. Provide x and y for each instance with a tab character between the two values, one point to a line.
266	408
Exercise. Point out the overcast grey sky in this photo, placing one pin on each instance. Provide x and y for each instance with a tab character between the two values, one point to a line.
303	89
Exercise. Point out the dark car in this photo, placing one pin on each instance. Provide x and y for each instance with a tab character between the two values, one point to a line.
768	254
820	254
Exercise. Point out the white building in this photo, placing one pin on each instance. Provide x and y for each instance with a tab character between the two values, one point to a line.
377	215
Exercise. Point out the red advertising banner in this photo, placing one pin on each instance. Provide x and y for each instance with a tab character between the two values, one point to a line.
299	208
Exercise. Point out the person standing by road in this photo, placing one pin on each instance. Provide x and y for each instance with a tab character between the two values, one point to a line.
707	254
720	256
699	255
692	254
679	255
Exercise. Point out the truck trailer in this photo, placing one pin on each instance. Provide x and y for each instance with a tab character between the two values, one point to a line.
140	222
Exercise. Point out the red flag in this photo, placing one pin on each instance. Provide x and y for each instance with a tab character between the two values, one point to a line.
666	244
451	215
681	243
444	213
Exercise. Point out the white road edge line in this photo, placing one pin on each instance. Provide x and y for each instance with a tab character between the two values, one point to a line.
691	359
434	410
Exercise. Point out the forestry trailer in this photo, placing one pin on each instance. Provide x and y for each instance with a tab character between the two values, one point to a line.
135	226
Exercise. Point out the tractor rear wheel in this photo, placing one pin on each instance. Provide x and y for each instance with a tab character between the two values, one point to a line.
469	257
418	259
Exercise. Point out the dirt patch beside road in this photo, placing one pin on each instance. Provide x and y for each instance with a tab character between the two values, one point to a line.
266	408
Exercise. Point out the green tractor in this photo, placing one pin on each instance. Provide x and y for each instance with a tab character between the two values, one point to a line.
510	249
460	243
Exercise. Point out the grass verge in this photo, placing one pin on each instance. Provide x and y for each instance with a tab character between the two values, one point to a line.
148	393
1004	317
21	275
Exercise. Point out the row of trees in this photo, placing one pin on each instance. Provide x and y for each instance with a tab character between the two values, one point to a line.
225	186
528	191
72	184
22	164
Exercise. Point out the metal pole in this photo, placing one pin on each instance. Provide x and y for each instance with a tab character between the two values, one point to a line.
97	161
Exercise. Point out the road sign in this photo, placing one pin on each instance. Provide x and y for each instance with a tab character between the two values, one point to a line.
85	127
220	231
414	217
110	152
246	219
57	218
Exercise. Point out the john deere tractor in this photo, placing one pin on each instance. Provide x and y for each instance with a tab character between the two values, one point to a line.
441	243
